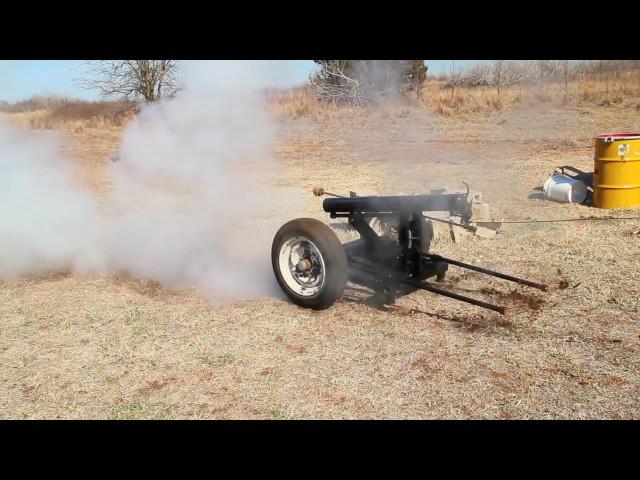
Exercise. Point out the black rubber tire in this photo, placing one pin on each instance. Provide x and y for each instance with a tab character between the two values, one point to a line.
333	254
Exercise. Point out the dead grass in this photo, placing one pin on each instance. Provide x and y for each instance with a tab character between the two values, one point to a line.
301	102
467	100
620	89
74	347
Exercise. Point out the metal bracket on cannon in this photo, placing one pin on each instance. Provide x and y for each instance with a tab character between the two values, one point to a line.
393	268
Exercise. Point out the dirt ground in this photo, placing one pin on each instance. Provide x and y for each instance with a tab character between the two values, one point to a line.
73	347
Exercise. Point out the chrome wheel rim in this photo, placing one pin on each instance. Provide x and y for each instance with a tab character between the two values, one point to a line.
302	266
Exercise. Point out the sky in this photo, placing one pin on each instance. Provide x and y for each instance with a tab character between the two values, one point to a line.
21	79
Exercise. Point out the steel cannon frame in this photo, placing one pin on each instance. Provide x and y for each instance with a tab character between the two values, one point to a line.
390	265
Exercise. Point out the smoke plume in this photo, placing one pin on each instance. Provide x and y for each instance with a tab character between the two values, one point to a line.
187	207
47	224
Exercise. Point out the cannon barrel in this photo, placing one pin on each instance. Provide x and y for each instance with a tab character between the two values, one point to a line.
396	204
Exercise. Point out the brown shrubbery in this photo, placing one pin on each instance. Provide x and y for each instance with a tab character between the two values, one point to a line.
55	112
115	113
585	90
490	88
302	102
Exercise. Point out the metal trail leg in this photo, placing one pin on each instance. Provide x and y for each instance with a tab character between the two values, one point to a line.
510	278
396	278
445	293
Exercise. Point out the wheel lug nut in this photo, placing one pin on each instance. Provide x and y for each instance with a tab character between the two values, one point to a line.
303	265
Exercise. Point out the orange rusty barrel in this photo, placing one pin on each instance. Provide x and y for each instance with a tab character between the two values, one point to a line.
616	179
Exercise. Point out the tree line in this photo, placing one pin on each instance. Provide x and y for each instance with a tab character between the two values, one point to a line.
357	82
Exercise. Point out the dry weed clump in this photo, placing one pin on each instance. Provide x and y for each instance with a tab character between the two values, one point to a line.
302	102
467	100
294	103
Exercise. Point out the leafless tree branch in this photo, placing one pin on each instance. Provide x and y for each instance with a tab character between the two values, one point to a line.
132	79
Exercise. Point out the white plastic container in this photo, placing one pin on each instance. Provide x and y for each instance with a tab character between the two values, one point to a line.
562	188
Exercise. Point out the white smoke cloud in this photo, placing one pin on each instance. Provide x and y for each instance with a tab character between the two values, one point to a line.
46	224
186	208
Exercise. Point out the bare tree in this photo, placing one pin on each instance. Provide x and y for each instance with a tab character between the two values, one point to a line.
498	67
132	79
362	82
417	72
546	69
454	78
332	84
501	74
604	74
565	75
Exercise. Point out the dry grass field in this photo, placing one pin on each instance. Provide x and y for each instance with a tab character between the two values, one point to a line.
122	348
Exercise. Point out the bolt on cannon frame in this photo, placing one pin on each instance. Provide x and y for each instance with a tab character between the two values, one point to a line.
389	266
